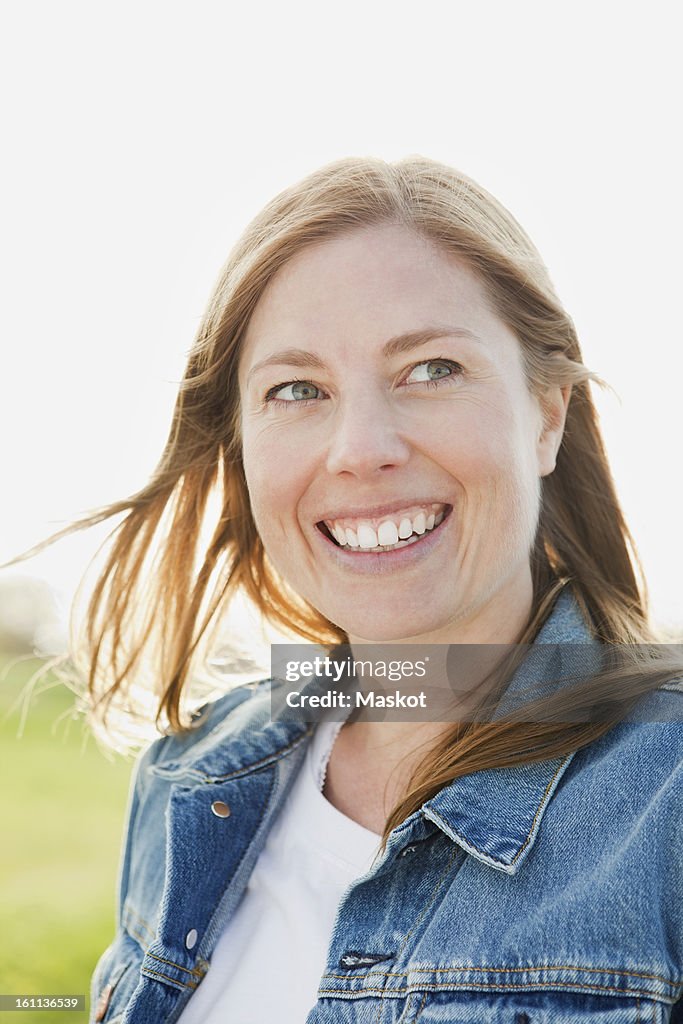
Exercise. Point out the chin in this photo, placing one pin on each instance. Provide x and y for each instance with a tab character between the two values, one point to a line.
375	629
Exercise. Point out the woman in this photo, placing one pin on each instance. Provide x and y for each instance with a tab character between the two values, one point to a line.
391	402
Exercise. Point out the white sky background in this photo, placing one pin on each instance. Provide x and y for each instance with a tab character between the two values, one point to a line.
140	138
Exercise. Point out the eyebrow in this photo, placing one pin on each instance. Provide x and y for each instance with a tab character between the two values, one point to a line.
394	346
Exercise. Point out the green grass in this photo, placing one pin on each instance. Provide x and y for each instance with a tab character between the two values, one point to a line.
63	806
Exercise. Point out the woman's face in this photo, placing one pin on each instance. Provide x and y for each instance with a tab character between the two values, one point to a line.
391	445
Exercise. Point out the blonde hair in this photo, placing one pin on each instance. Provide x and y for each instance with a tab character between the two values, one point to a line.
163	587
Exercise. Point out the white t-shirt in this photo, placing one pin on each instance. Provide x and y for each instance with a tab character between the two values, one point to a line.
268	961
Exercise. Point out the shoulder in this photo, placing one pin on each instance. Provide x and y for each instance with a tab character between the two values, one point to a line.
652	733
618	807
639	761
207	723
234	715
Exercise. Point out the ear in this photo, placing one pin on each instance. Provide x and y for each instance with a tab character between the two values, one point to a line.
554	405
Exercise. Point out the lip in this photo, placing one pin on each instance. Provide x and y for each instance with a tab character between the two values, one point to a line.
375	511
378	563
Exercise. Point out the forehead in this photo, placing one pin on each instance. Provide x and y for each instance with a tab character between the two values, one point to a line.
362	287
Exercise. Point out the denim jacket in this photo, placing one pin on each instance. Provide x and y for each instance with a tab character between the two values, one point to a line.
545	893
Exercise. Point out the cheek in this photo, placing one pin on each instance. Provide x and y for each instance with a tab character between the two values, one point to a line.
275	479
486	445
491	454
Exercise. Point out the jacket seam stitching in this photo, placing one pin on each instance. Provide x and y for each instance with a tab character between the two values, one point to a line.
515	970
175	981
469	985
172	963
556	967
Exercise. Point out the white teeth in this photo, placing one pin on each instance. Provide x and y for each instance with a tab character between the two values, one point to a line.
387	534
367	538
405	529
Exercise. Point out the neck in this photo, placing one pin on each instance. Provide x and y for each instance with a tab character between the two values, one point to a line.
500	619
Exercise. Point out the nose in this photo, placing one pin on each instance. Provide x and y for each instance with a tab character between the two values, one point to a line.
366	436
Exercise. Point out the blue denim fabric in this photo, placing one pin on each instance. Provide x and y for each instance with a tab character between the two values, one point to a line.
541	894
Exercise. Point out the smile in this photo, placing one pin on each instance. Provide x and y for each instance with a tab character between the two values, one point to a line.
385	533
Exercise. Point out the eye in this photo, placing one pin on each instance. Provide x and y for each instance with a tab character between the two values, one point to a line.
432	371
294	391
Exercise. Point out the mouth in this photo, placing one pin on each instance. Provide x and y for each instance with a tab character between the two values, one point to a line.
390	533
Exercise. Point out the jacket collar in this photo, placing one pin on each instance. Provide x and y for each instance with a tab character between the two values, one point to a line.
495	814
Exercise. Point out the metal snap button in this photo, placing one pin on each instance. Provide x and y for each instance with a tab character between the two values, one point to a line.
191	938
220	809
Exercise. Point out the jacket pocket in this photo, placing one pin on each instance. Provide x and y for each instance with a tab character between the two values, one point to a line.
534	1007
